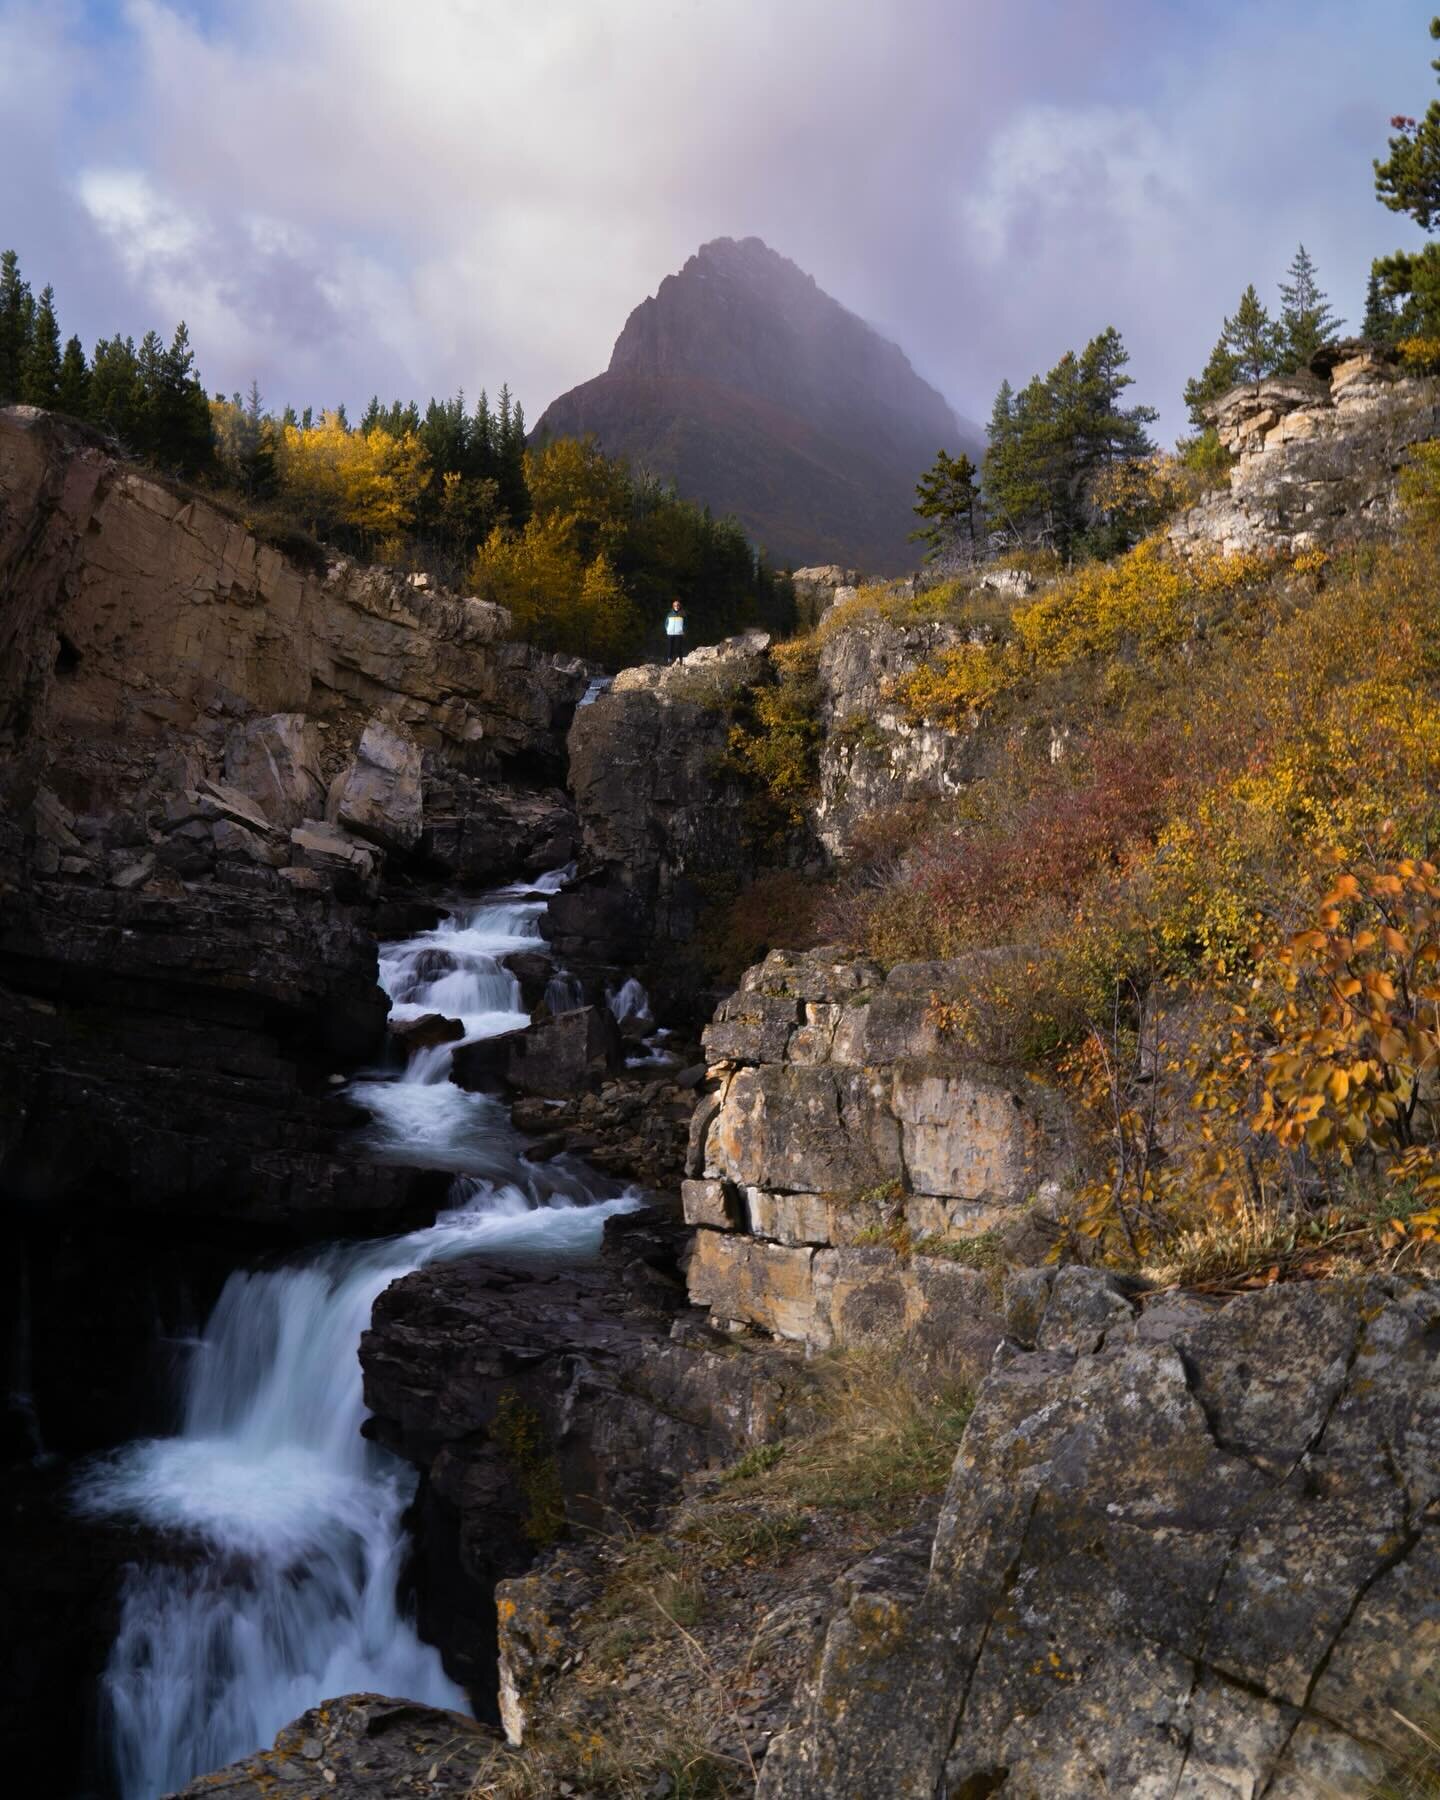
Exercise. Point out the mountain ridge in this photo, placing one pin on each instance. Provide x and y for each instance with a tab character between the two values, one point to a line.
758	393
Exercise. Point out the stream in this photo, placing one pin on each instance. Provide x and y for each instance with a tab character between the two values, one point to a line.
287	1525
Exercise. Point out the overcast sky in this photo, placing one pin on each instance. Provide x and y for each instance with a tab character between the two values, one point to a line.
417	195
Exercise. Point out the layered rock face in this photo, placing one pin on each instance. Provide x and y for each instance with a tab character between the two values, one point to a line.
1187	1550
208	753
1318	454
838	1121
760	395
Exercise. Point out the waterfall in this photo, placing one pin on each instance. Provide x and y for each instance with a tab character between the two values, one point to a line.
283	1589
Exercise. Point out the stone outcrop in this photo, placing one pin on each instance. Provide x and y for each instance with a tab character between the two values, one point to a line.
872	757
819	588
378	796
537	1402
839	1122
664	824
359	1745
1318	454
1188	1549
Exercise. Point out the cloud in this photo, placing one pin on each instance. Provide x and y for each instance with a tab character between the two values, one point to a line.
343	196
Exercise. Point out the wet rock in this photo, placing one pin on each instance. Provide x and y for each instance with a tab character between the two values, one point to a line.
480	831
539	1403
480	1067
359	1744
426	1032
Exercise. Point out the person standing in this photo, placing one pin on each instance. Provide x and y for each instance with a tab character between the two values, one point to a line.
675	631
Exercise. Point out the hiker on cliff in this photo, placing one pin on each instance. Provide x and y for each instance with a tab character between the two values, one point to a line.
675	631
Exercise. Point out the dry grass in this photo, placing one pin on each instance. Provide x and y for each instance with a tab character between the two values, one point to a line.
1256	1245
887	1432
631	1755
1414	1777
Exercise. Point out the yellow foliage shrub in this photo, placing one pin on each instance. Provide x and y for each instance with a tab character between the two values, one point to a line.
371	481
556	597
1146	602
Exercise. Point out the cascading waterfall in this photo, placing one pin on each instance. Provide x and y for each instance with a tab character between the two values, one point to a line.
284	1588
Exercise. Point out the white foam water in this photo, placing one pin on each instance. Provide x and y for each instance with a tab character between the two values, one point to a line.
288	1525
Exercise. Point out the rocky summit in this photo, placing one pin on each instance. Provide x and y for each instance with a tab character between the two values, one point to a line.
755	392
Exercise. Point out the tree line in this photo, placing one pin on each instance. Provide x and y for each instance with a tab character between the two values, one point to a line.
149	396
587	552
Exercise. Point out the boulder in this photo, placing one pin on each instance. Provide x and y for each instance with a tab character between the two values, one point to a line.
567	1053
844	1296
1318	454
354	866
426	1032
379	796
480	1067
542	1402
275	760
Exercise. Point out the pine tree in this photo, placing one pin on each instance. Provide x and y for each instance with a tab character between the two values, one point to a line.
1109	432
176	410
40	361
946	497
1408	181
74	395
1307	320
115	398
1378	326
510	459
1052	444
17	310
1252	338
482	440
1219	375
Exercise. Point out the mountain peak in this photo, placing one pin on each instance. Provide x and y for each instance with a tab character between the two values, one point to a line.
742	380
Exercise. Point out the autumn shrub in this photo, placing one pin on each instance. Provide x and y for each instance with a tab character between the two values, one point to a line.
777	910
369	481
1143	604
559	600
775	747
979	885
1420	485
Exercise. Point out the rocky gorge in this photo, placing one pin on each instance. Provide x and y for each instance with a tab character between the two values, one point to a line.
625	1304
